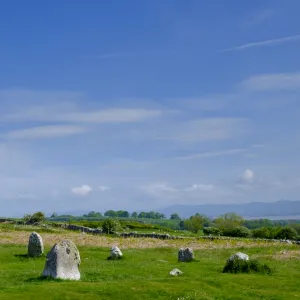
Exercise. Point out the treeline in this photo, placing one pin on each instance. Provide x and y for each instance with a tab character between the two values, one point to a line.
233	225
116	214
134	215
229	224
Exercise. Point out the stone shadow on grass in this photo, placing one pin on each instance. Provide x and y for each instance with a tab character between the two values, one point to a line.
22	256
190	261
27	257
43	279
115	259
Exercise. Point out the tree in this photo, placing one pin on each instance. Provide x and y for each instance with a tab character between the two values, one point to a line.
152	215
111	213
110	226
206	220
212	231
229	221
286	233
93	214
123	214
254	224
37	217
175	217
181	225
239	231
159	216
194	223
26	218
262	233
134	215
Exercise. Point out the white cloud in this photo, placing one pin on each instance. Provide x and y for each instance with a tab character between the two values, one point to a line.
165	188
82	190
41	132
247	177
199	187
271	42
213	154
112	115
206	129
269	82
159	187
103	188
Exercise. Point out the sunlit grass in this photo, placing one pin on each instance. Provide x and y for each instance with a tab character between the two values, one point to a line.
143	273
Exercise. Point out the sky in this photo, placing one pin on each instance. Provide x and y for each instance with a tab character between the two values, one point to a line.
141	105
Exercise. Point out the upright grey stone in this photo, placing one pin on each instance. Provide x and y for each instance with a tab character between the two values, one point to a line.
63	261
35	245
185	255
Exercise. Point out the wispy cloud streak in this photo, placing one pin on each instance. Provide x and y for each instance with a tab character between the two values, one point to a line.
213	154
263	43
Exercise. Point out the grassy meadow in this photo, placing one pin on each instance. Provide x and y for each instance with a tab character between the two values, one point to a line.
143	273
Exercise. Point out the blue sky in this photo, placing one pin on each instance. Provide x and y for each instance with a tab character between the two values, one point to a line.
145	104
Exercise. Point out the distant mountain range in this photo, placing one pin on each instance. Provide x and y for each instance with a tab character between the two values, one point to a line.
283	208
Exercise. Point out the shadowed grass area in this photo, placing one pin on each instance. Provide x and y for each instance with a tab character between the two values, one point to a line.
144	274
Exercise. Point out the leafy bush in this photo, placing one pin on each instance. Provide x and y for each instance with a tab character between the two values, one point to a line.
229	221
296	227
111	226
36	218
246	266
212	231
286	233
254	224
240	231
262	233
194	223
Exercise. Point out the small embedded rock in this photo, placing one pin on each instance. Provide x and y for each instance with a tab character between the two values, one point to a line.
176	272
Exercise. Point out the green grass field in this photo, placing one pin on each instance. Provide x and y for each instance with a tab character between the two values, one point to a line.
144	274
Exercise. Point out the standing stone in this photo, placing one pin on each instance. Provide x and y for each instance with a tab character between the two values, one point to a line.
185	255
115	253
63	261
35	245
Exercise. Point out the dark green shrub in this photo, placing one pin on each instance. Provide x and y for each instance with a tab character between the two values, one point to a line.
296	227
212	231
246	266
240	231
111	226
286	233
262	233
36	218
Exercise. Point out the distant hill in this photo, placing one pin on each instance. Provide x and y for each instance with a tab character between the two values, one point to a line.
254	209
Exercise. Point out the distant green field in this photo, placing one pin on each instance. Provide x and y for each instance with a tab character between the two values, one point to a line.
144	274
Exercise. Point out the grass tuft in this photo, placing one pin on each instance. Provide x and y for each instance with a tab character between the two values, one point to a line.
249	266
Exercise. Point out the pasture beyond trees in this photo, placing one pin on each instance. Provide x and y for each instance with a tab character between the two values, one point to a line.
143	273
